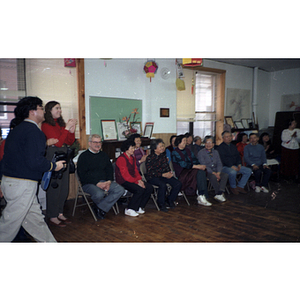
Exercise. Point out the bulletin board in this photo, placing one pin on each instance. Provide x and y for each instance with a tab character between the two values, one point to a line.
106	108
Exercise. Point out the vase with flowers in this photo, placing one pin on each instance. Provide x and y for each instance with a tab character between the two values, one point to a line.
129	131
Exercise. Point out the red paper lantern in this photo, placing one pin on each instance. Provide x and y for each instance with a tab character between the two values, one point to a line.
150	68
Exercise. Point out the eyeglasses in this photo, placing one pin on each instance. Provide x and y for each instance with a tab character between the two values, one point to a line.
96	142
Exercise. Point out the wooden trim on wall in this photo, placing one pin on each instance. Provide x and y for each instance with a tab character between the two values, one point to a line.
81	103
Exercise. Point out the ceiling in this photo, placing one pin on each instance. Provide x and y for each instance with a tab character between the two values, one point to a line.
269	65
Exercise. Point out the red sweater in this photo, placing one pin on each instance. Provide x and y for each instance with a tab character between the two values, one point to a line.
57	132
122	171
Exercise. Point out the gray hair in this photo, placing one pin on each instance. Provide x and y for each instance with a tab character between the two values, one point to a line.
95	136
209	137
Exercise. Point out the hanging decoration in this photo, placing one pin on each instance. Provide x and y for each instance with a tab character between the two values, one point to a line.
70	62
192	62
150	68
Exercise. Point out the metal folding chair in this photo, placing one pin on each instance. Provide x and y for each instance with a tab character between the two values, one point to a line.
182	192
85	196
155	187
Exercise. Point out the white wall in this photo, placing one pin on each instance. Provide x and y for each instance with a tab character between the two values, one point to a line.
125	78
285	82
49	80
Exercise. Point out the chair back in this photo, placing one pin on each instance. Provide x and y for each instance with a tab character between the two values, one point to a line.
143	170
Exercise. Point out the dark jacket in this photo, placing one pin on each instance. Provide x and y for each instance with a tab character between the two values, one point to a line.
24	153
229	155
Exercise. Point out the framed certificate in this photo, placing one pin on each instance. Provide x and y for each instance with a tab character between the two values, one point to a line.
239	125
109	131
148	129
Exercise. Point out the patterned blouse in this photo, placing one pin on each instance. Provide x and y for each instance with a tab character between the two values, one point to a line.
156	165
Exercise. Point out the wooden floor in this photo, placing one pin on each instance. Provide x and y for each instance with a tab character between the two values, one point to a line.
273	217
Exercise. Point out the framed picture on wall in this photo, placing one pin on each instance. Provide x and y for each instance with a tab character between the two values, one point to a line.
109	131
229	121
239	125
148	129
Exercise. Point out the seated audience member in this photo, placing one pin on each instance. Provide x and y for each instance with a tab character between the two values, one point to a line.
95	172
197	145
189	171
290	138
159	173
232	164
171	147
129	177
255	158
211	159
265	140
189	140
139	154
242	142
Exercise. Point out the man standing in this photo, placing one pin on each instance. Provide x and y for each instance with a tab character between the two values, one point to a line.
255	158
22	167
95	172
232	164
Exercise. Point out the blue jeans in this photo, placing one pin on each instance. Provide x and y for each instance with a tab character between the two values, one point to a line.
246	172
99	196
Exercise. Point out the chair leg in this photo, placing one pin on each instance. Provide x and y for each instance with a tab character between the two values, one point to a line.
187	201
75	203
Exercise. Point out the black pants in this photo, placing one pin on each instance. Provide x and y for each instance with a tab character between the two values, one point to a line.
56	196
140	195
161	182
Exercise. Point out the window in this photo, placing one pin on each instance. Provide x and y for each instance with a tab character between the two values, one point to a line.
12	89
205	104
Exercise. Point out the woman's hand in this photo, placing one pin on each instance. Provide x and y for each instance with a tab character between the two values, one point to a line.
71	125
143	158
141	184
167	175
200	167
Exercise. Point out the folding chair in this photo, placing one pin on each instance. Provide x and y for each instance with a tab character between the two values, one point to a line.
84	195
155	187
182	192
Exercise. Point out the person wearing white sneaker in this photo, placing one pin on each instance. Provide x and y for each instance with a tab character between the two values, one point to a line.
202	200
211	159
129	177
257	189
188	169
141	211
220	198
255	158
130	212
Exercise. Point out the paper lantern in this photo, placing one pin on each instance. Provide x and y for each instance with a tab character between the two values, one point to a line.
150	69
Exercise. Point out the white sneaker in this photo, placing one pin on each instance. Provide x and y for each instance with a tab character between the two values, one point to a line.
202	200
140	211
220	198
263	189
131	212
257	189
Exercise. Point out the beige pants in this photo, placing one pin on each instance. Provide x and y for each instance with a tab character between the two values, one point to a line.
22	209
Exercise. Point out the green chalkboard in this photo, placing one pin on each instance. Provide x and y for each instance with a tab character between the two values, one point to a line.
105	108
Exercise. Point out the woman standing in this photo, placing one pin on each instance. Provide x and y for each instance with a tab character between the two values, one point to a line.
139	154
159	173
189	171
129	177
210	157
290	151
59	134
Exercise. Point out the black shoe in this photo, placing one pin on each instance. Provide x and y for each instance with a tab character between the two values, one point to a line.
163	208
170	204
100	214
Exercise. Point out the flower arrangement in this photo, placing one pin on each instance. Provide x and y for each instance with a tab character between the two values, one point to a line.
129	131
